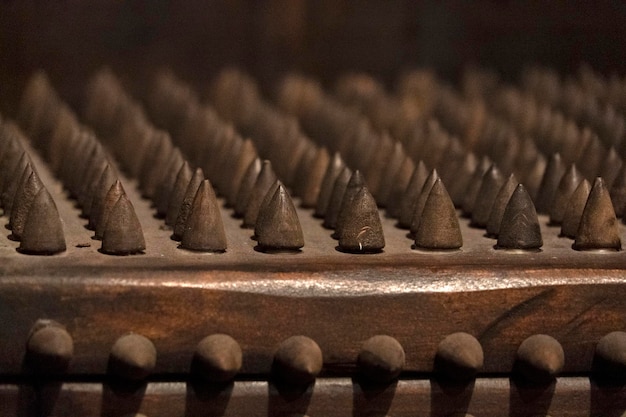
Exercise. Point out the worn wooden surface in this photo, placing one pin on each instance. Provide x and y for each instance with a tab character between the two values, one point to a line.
568	397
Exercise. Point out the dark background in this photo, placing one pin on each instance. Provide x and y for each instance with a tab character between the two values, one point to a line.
71	39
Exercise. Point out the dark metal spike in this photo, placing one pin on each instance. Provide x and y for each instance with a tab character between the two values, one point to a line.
363	231
519	228
568	184
262	185
204	229
49	348
473	186
277	227
165	188
354	185
112	196
334	204
247	154
618	192
43	230
334	168
178	193
491	183
411	194
185	207
598	228
418	207
123	234
313	183
106	181
23	203
575	208
549	183
499	205
439	226
246	186
399	186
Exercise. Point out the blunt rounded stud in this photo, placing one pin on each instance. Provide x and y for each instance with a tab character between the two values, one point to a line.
491	183
123	234
218	358
439	226
539	358
50	347
132	357
43	230
598	228
610	356
499	205
297	361
574	210
459	357
519	228
381	359
362	231
204	230
278	227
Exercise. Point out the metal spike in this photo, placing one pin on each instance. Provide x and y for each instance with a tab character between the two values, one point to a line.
246	186
153	167
277	227
313	182
123	234
334	204
381	359
12	183
420	203
178	194
334	168
539	358
165	188
247	154
459	357
439	226
611	166
106	181
519	228
568	184
575	208
549	183
113	195
23	203
354	185
204	230
598	228
363	231
297	361
461	178
43	230
473	186
262	185
411	194
489	188
399	187
388	174
132	357
499	205
185	207
304	167
218	358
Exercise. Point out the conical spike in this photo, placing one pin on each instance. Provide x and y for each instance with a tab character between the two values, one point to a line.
575	208
23	203
549	183
459	357
381	359
11	185
88	188
499	205
598	228
155	169
165	188
304	167
43	230
568	184
263	183
354	185
388	175
411	194
519	228
489	188
533	176
473	186
399	186
439	226
363	231
461	179
185	207
112	196
107	179
246	186
334	204
277	226
247	154
178	193
21	182
333	170
313	182
123	234
540	358
204	230
418	208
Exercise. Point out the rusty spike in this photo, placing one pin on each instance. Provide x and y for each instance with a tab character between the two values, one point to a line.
459	357
549	183
297	361
499	205
610	356
539	358
473	186
439	226
519	228
363	231
313	182
354	185
598	228
178	193
43	230
381	359
418	207
246	186
114	193
399	186
23	202
334	204
489	188
49	348
568	184
262	185
106	181
185	207
575	208
334	168
277	227
132	357
411	193
204	230
218	358
123	234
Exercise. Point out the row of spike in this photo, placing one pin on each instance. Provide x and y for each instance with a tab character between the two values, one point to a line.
298	360
78	160
33	216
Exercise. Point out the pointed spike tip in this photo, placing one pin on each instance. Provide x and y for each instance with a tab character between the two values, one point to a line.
519	228
43	229
363	231
439	226
278	227
204	229
598	228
